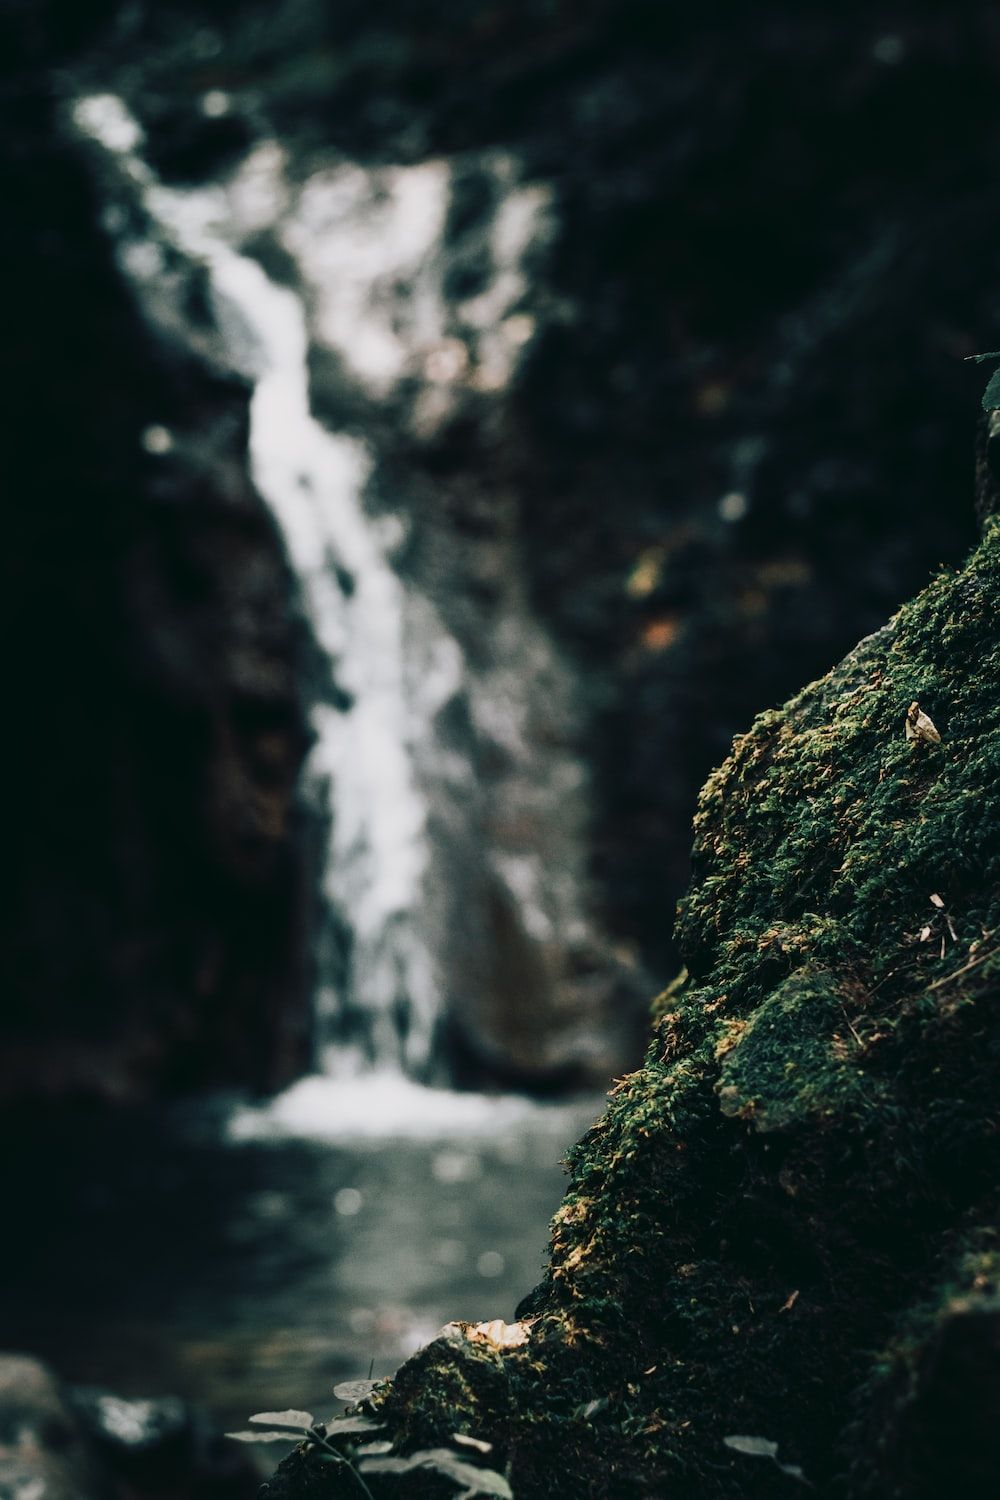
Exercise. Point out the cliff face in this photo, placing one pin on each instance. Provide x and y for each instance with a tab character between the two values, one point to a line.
154	933
783	1231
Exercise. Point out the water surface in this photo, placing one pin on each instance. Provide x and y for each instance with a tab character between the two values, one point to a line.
159	1255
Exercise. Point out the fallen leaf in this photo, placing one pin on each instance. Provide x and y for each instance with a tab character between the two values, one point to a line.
789	1302
501	1335
925	933
936	901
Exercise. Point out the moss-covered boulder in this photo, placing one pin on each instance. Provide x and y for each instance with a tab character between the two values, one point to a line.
778	1263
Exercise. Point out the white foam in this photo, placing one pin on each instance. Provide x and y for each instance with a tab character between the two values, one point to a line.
366	241
106	118
383	1106
370	243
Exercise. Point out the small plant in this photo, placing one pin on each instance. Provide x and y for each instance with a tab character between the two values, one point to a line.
991	395
367	1453
299	1426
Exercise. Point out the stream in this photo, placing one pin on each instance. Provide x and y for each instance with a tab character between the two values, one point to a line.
167	1257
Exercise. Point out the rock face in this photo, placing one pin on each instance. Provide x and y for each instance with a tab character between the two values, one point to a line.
778	1257
154	933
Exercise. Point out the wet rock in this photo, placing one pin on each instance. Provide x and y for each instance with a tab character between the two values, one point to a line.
154	937
163	1447
44	1451
66	1443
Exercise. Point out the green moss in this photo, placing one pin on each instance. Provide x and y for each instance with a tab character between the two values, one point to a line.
453	1385
765	1203
789	1063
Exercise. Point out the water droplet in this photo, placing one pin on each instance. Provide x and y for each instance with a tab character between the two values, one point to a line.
158	440
215	104
491	1263
734	506
455	1166
347	1202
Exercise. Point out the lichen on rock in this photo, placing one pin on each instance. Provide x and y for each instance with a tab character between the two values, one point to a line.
784	1225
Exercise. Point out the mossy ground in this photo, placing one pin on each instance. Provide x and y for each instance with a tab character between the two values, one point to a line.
789	1211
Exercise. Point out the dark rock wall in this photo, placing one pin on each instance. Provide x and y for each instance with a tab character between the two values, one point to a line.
57	1443
154	931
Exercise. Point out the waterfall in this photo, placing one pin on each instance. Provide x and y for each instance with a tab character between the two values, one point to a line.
313	480
365	246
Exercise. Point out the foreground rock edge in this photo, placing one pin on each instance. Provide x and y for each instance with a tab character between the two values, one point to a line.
784	1227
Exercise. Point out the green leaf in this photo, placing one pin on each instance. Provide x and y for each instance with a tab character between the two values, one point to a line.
289	1436
442	1461
591	1409
354	1390
757	1447
465	1441
979	359
291	1418
372	1465
348	1426
991	395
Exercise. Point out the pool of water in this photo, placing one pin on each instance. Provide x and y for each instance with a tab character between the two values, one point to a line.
222	1258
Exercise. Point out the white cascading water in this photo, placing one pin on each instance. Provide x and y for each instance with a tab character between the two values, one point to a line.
352	233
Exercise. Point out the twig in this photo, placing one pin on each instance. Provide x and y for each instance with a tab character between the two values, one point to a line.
850	1024
972	964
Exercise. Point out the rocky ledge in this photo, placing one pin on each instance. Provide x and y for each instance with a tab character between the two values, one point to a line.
777	1264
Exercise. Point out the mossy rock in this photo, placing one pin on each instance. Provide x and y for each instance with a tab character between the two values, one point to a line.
787	1064
783	1226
